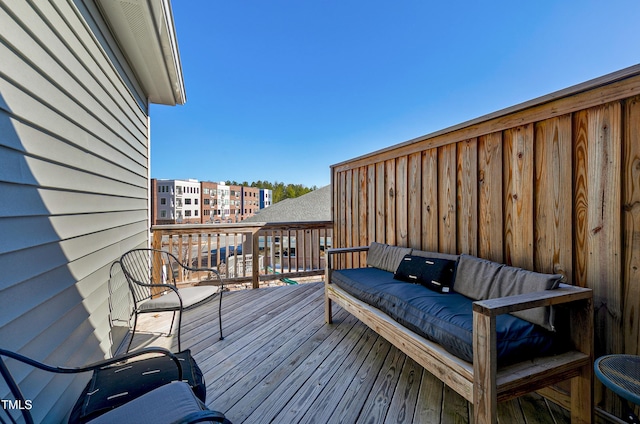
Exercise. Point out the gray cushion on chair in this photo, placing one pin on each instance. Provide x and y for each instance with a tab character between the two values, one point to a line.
190	296
165	404
386	257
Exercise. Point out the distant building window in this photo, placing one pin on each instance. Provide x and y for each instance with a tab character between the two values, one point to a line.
187	201
163	214
195	213
187	213
195	201
163	201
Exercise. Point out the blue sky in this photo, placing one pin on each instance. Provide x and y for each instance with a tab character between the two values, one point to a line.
280	90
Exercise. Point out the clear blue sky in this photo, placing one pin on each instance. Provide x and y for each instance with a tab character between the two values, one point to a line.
279	90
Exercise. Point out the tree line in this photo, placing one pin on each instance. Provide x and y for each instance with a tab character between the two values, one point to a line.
279	190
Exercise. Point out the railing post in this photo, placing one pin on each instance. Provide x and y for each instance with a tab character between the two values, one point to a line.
255	260
157	239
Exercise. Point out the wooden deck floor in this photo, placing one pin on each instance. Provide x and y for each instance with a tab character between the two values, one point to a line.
279	362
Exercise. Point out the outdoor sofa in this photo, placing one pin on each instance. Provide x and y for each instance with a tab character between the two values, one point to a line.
489	331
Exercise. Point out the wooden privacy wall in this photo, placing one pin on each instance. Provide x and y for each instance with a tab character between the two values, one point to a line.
552	185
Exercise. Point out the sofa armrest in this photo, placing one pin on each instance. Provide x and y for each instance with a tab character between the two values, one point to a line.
484	339
342	250
503	305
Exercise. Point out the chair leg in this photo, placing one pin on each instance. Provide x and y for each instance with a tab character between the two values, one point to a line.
220	315
173	319
133	332
179	326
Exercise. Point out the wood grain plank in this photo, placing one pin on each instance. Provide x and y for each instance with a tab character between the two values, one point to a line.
604	268
354	226
467	193
363	213
377	405
324	406
381	197
429	404
518	203
402	223
414	200
430	216
359	389
447	232
403	403
490	197
371	204
580	196
553	187
631	226
348	225
390	203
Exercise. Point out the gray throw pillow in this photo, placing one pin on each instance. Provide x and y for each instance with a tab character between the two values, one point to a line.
481	279
386	257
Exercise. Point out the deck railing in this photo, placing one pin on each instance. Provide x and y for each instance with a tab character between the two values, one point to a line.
249	253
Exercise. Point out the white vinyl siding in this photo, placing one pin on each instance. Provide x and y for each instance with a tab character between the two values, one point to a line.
73	188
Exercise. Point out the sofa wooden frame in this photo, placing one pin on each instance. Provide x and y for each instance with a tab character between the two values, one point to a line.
483	383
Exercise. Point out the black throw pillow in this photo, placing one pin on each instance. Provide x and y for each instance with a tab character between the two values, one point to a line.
434	273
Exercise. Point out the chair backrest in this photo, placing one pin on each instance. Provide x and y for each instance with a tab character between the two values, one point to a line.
146	267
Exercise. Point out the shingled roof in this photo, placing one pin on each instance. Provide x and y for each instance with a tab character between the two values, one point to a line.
313	206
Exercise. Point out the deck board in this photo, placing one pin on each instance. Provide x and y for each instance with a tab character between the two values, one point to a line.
279	362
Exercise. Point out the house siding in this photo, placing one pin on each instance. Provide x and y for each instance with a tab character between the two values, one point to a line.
74	187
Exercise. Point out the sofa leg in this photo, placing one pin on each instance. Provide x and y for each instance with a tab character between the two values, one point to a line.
328	315
582	397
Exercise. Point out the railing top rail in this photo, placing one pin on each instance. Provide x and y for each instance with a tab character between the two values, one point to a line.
240	227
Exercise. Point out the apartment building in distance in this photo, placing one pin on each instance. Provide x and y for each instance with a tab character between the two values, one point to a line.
176	202
206	202
250	202
266	198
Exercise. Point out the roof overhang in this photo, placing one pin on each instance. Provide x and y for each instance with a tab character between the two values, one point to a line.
146	34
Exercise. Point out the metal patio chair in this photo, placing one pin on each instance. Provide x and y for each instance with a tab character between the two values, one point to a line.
151	275
165	402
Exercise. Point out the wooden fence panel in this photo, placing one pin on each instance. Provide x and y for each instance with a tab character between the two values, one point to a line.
490	195
414	200
468	197
402	210
390	204
580	196
348	203
518	202
371	204
362	213
553	192
631	227
447	234
381	199
430	214
603	223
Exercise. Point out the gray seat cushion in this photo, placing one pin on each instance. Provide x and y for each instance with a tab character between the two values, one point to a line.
166	404
190	296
